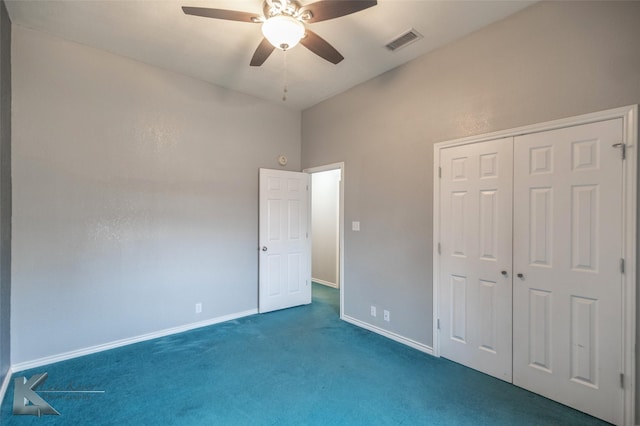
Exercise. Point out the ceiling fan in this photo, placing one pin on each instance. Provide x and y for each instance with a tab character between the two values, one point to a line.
283	24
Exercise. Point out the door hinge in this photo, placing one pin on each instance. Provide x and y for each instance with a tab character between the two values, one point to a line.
438	323
622	380
307	187
623	147
622	265
439	172
439	249
307	235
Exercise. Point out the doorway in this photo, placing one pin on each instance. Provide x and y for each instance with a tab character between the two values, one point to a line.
326	225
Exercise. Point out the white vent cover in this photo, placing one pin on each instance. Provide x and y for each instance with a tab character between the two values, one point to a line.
404	39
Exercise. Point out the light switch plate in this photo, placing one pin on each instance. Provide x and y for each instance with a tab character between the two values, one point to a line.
355	226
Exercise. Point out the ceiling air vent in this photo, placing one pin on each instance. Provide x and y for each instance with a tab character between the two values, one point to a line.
404	39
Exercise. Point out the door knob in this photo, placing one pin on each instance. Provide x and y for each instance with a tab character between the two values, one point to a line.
264	248
504	273
521	276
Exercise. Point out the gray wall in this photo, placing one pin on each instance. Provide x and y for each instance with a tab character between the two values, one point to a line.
135	189
325	203
5	191
135	196
551	60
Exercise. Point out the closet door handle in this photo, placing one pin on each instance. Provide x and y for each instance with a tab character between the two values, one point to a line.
521	276
504	273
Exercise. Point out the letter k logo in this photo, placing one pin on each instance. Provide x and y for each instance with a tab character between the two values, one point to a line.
26	401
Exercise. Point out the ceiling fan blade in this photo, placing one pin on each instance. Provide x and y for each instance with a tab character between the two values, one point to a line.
229	15
262	53
329	9
320	47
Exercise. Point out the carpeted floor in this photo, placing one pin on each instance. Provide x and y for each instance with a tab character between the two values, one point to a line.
300	366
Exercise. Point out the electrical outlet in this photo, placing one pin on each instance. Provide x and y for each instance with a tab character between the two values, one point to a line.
198	308
387	316
373	311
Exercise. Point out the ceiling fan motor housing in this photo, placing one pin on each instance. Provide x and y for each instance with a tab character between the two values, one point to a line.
291	8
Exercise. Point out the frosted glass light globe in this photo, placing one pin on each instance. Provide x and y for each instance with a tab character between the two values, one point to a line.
282	31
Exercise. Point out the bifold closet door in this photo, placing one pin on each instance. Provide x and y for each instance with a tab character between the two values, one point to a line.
475	263
567	287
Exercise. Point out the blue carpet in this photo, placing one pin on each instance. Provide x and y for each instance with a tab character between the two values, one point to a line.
299	366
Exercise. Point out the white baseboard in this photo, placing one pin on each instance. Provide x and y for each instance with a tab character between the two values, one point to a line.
118	343
323	282
5	384
393	336
174	330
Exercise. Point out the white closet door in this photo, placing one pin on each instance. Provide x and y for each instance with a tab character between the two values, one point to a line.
567	246
474	293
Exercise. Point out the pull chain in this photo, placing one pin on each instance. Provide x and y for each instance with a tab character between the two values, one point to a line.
284	90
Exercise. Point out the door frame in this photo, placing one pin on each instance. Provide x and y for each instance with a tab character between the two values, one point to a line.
333	166
629	116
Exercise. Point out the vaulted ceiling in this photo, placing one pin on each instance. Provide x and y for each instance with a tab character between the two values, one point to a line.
218	51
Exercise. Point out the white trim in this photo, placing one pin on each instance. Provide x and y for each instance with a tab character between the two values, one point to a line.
629	115
436	241
334	166
128	341
325	168
630	214
5	383
393	336
323	282
341	275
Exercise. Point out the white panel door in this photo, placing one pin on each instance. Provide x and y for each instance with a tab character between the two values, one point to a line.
568	284
285	271
475	262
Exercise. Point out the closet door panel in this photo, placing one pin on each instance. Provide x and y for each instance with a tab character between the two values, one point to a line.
567	246
474	296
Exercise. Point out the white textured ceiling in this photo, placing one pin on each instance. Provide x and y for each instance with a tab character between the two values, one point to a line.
217	51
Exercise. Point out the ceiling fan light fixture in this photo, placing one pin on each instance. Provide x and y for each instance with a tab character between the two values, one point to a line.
283	31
